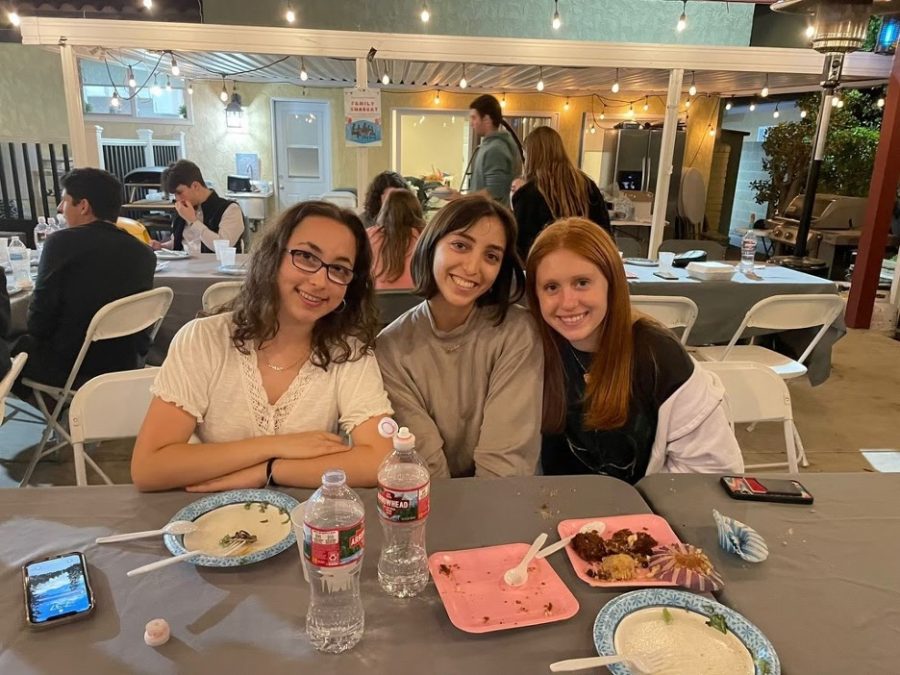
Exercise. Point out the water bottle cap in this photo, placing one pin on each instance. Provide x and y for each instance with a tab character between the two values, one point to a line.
404	440
334	478
387	427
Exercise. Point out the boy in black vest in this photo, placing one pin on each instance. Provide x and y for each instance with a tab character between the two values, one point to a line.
203	216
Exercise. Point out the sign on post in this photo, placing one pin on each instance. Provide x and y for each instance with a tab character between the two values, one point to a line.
362	117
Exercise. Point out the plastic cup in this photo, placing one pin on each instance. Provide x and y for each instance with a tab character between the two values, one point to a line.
218	245
666	258
297	515
4	253
228	256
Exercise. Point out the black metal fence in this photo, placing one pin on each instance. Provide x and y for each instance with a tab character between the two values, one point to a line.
29	183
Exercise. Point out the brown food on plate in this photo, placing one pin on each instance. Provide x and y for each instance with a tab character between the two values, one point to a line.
589	546
618	567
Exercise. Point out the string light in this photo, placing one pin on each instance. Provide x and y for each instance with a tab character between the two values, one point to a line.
503	100
540	82
840	103
835	99
303	74
385	79
155	89
603	113
710	130
593	128
557	22
463	82
728	104
437	97
765	90
425	15
14	18
802	114
566	104
176	71
752	106
810	31
682	20
114	101
880	103
630	110
190	88
223	95
776	114
615	86
693	88
687	104
289	14
646	103
168	84
131	81
148	4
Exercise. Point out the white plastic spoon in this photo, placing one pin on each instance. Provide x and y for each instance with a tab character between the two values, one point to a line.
165	562
595	526
175	527
518	575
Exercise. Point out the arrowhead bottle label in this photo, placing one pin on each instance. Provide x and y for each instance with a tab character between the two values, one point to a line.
333	548
404	506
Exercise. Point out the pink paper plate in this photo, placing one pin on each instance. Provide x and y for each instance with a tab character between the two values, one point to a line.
477	600
655	526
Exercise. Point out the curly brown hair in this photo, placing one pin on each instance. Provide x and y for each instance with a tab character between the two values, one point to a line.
381	182
256	307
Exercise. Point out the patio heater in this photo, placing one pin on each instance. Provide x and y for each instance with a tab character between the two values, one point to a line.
840	28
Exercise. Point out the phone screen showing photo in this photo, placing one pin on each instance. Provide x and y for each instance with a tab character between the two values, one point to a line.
56	588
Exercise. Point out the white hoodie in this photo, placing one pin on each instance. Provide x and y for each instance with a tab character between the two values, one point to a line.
693	432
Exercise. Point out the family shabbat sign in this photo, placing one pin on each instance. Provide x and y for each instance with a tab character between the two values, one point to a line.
362	117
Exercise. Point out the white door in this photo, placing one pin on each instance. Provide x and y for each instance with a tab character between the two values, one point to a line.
302	150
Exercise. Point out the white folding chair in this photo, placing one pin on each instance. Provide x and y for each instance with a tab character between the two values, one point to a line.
756	394
107	407
7	382
126	316
780	312
672	311
219	293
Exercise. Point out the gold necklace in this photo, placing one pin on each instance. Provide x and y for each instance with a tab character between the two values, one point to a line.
281	369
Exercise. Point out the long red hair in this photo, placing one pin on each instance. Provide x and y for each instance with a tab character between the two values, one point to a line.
608	387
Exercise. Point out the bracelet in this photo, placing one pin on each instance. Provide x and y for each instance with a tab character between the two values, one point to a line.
269	478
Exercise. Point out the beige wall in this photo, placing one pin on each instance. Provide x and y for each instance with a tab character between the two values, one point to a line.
699	145
32	105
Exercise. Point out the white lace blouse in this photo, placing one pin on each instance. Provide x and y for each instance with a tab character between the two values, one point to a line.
206	376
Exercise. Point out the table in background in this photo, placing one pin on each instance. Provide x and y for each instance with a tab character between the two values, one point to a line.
828	597
252	619
723	304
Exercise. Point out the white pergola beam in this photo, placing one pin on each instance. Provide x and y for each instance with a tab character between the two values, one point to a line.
666	155
190	37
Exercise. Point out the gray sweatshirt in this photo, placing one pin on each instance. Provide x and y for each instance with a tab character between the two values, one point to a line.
472	396
497	163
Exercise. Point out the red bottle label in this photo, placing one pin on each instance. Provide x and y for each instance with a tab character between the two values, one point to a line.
333	548
404	506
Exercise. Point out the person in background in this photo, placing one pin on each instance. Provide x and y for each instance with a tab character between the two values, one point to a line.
621	395
82	268
394	238
554	188
463	369
382	185
267	383
498	159
202	215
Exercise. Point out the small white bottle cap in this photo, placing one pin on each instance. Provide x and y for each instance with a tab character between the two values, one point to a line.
404	440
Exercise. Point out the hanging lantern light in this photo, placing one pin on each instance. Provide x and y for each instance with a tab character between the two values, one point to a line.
234	111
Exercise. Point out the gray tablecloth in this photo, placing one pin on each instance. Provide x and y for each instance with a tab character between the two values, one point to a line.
252	619
828	597
723	304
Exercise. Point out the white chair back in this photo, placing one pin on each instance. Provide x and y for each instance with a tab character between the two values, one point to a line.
7	382
792	312
130	315
220	293
673	311
108	406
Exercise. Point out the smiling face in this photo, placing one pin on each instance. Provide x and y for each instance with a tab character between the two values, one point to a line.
308	296
467	262
573	295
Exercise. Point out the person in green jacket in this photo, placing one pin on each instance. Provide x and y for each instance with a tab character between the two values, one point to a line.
498	159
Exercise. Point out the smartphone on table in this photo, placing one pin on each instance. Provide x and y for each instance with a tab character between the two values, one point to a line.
57	590
669	276
766	489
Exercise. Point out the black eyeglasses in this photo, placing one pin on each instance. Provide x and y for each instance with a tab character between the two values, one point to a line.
310	262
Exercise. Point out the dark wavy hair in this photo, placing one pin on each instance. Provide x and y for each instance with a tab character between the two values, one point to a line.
381	182
461	214
256	307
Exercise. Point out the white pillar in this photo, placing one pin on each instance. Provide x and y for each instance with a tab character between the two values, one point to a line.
100	159
362	154
146	138
182	149
74	106
666	152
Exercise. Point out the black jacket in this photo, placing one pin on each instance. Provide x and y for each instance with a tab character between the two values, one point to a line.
82	269
533	214
213	209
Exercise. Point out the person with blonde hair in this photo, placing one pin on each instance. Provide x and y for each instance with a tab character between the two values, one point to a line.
554	188
621	395
393	239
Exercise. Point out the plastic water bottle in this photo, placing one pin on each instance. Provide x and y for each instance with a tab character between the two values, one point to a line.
41	232
404	486
57	224
19	261
748	250
333	546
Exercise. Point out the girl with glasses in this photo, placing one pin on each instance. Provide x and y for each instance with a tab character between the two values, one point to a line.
267	383
621	395
463	369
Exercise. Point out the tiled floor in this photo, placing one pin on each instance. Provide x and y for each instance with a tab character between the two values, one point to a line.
856	410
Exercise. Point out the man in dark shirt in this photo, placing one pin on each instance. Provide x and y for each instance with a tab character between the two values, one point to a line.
83	268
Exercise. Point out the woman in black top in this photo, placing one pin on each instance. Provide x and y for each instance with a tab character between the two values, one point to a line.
554	189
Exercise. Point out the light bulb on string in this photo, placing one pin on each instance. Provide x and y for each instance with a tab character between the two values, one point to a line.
810	31
503	100
602	113
880	102
557	21
176	71
168	84
14	18
463	82
190	88
425	15
687	104
148	4
710	130
615	86
682	20
692	90
290	15
728	105
566	104
114	101
155	90
593	128
646	103
223	95
385	79
836	97
131	81
840	103
540	82
437	97
304	76
752	106
765	90
802	114
630	110
776	114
